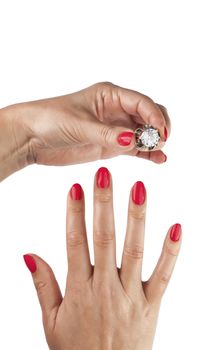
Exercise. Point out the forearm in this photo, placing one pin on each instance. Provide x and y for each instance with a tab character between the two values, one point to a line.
14	144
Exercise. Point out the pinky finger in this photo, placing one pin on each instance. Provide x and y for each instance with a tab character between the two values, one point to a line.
47	288
155	287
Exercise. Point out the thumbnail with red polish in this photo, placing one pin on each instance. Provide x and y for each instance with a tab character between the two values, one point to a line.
30	263
103	178
138	193
125	138
175	232
76	192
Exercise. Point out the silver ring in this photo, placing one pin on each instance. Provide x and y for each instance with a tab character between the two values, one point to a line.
146	138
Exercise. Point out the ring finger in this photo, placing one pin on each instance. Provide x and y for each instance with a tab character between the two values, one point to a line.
134	242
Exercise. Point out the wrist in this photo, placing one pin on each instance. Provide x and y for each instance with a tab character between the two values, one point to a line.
14	142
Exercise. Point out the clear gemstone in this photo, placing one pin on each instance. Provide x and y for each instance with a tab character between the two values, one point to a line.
147	138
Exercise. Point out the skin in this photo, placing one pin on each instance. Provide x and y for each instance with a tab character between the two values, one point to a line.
75	128
104	307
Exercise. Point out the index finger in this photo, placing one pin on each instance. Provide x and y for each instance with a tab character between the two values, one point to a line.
143	107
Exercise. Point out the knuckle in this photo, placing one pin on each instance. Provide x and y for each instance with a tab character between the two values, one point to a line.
163	278
134	252
103	196
162	107
107	133
137	214
75	238
103	238
172	252
103	84
40	286
77	209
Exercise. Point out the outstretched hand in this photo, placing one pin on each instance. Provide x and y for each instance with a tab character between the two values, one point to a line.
104	307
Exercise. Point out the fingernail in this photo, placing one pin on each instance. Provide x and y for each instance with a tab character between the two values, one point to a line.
165	134
175	233
125	138
103	178
138	193
76	192
30	262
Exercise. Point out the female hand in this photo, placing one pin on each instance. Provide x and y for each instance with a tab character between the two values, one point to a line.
95	123
104	307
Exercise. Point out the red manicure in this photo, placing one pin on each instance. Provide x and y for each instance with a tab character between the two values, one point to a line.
125	138
76	192
138	193
103	178
30	262
175	232
165	134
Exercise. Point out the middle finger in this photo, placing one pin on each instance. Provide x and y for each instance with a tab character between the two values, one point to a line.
104	228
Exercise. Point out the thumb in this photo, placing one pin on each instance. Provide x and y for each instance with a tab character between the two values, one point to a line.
45	283
109	136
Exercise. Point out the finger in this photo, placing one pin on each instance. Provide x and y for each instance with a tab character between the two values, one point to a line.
108	136
158	282
157	157
139	105
79	266
167	131
47	288
104	231
131	267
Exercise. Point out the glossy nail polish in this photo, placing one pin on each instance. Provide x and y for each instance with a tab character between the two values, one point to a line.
76	192
103	178
165	134
138	193
175	233
125	138
30	263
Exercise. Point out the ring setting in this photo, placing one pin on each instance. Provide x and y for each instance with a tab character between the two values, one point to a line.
146	138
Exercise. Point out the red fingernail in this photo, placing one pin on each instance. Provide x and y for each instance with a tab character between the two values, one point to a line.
138	193
165	134
30	262
76	192
103	178
125	138
175	232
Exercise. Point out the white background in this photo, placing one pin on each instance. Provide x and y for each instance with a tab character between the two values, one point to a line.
163	49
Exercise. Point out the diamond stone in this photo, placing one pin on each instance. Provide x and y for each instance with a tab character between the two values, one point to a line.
147	138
